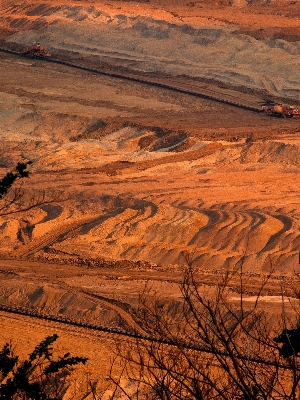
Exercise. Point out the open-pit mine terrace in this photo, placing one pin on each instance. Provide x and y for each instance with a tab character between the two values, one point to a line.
147	173
144	174
142	179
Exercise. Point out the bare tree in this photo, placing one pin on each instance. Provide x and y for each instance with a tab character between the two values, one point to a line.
213	346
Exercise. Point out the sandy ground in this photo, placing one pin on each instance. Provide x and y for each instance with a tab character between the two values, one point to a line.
139	173
139	189
97	347
241	46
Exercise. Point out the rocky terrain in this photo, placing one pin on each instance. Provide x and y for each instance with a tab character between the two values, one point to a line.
140	180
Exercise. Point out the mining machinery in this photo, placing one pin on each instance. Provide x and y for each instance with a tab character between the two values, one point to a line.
281	110
36	51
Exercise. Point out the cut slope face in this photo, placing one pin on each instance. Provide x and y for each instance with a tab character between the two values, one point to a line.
160	42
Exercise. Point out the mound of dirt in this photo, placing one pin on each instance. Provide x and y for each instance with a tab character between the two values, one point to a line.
286	35
272	152
60	302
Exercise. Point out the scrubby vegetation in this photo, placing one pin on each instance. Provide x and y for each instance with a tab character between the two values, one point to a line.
9	179
40	377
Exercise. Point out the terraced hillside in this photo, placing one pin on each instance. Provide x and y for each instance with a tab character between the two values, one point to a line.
225	44
139	192
135	180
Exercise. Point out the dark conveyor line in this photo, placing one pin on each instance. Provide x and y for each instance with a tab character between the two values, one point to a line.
140	79
115	331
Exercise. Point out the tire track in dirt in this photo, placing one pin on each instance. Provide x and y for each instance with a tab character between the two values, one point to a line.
108	303
58	298
51	237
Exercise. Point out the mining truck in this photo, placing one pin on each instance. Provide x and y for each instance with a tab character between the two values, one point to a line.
281	110
36	51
